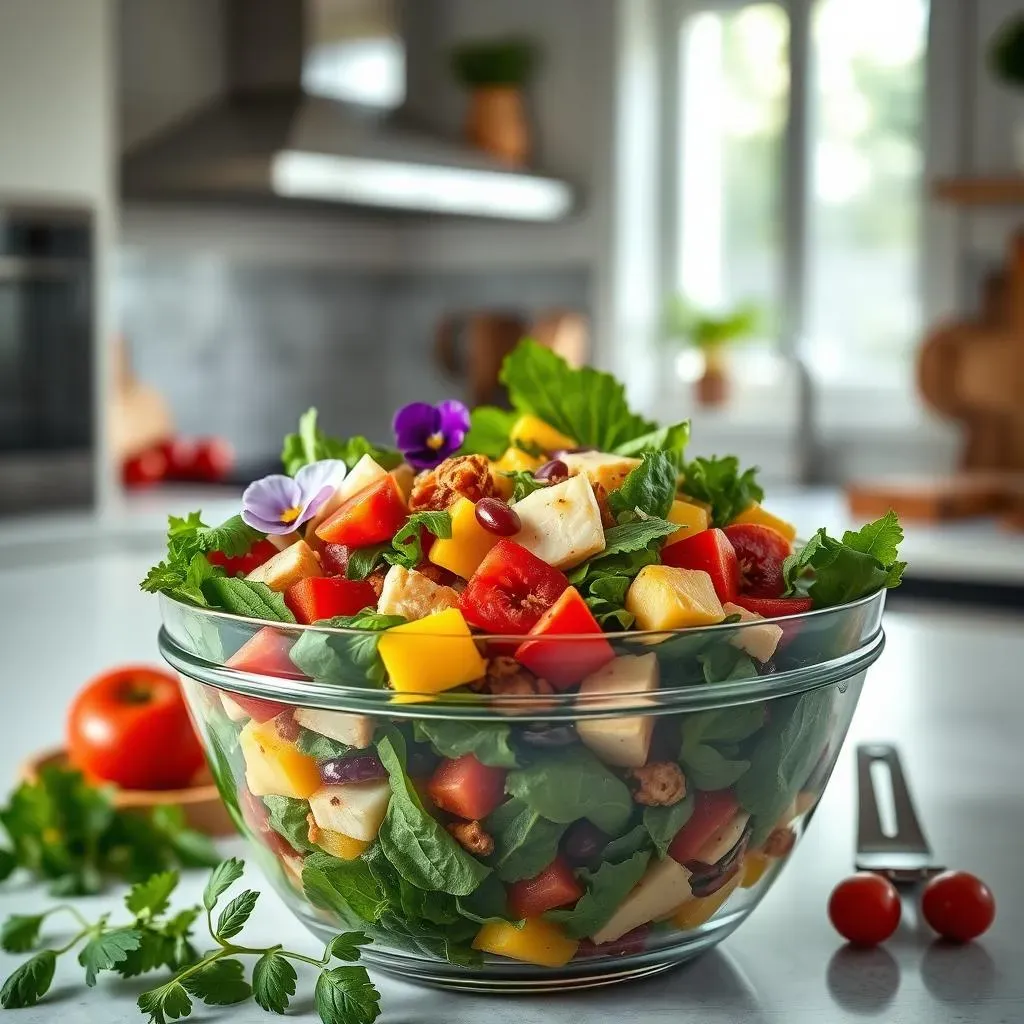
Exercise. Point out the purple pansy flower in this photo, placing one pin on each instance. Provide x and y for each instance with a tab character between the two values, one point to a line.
280	504
428	434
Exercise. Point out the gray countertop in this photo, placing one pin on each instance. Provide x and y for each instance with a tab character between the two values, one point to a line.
947	689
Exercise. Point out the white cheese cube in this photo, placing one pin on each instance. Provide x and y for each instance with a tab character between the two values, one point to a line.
724	839
759	642
626	741
410	593
233	709
665	886
287	567
561	524
610	471
355	809
355	730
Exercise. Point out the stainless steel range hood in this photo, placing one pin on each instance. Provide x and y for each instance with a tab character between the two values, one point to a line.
313	112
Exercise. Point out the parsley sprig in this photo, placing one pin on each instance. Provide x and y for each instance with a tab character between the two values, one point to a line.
155	940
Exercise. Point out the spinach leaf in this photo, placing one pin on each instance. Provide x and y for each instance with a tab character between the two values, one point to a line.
246	597
226	761
671	440
488	742
662	823
607	887
720	483
288	817
636	839
348	659
650	488
606	599
311	444
448	942
489	430
345	887
364	561
487	904
708	768
707	736
418	847
570	784
524	842
320	747
724	663
783	759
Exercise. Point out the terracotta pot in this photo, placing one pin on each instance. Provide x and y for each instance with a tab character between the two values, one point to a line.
497	123
712	387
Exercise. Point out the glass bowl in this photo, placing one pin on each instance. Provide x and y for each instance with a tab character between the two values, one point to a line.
631	822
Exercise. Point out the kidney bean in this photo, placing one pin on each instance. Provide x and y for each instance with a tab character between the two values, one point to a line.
498	517
554	471
360	768
582	843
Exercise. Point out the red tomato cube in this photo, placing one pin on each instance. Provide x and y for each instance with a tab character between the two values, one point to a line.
555	886
370	516
323	597
711	551
265	654
774	607
467	788
711	812
760	551
241	565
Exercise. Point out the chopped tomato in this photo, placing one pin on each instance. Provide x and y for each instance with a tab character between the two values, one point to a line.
257	709
242	565
510	590
266	654
711	812
565	662
465	787
555	886
334	559
711	551
370	516
774	607
761	552
323	597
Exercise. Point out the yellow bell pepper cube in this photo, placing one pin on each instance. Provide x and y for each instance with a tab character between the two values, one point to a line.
759	516
754	867
339	845
432	654
514	460
468	545
692	518
663	597
274	766
694	913
537	942
532	430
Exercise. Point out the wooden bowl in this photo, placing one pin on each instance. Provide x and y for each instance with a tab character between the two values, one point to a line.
203	807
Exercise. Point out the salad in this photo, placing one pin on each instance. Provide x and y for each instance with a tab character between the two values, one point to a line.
535	563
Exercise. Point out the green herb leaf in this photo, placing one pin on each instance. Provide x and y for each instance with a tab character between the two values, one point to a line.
168	1002
635	536
524	842
346	946
651	488
220	983
233	917
106	949
445	942
273	982
719	482
709	769
586	404
311	444
618	850
20	932
670	440
246	597
489	743
663	823
29	982
320	747
408	549
152	897
489	430
224	875
723	663
364	561
487	904
607	887
346	887
350	660
570	784
606	599
154	950
418	847
345	995
288	817
8	862
524	483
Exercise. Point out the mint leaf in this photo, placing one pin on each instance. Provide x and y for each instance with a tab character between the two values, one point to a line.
607	887
363	561
273	982
719	482
220	983
106	949
224	875
606	599
651	488
346	946
489	429
634	536
152	897
246	597
588	405
670	440
182	580
350	659
345	995
20	932
233	917
489	743
168	1002
524	483
311	444
29	982
408	550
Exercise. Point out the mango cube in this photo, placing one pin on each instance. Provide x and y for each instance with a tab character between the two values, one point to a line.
432	654
274	766
514	460
754	867
537	942
532	430
610	471
469	543
692	518
758	516
663	597
339	845
695	912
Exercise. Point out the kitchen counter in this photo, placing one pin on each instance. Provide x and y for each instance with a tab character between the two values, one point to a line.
947	689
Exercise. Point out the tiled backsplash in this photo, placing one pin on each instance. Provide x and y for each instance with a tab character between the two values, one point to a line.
240	348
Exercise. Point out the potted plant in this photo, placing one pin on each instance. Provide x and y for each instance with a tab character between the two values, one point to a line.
495	71
1006	62
712	335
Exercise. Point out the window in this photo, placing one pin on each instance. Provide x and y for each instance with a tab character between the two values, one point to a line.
833	264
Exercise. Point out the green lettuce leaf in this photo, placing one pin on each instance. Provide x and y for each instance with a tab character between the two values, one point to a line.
650	488
670	440
719	482
489	430
311	444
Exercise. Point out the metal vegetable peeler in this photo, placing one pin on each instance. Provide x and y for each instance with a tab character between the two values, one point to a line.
900	853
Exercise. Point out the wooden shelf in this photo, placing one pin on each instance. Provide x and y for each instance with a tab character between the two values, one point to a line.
995	191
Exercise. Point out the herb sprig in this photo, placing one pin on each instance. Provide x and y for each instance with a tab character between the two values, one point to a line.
154	940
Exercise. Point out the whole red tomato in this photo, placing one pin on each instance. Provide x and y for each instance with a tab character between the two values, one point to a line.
130	726
146	468
213	460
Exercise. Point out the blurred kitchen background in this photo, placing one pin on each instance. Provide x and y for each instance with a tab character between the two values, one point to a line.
792	221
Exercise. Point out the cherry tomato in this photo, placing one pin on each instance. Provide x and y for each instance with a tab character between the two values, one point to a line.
958	905
181	457
761	552
865	909
146	468
212	460
130	726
